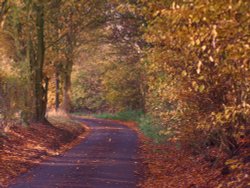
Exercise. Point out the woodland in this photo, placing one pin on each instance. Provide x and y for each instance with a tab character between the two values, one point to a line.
180	69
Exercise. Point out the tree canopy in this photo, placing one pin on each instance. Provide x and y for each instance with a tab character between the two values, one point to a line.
184	63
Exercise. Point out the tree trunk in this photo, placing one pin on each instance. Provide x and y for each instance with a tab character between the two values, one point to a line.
66	104
37	69
57	101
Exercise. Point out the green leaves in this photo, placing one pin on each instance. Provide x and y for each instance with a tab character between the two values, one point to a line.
201	88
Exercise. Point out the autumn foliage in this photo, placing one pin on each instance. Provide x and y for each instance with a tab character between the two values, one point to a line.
184	63
196	65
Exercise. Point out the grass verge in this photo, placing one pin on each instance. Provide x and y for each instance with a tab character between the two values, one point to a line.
129	115
147	125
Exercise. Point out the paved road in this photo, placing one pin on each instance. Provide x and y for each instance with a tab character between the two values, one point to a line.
107	158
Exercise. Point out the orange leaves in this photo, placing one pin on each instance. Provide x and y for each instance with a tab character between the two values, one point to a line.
22	147
169	167
198	59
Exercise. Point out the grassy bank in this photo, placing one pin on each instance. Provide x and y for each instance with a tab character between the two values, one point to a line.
147	125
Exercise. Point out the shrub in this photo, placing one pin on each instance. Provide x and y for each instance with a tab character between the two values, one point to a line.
199	60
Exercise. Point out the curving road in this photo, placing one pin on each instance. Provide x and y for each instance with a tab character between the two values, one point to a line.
107	158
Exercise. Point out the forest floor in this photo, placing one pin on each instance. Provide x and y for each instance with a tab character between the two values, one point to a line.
24	147
170	166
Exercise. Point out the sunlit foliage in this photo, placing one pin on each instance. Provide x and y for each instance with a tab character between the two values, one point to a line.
198	69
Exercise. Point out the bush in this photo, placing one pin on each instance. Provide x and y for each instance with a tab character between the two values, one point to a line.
199	60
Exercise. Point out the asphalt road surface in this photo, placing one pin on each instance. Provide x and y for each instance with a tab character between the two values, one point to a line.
107	158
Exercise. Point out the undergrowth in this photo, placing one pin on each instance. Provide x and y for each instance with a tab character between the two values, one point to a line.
129	115
147	124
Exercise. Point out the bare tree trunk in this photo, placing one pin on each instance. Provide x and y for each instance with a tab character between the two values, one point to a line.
45	97
66	104
57	100
37	69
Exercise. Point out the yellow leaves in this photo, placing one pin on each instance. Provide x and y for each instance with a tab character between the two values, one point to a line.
173	5
198	88
214	35
156	13
207	56
192	41
204	47
247	46
214	31
123	8
195	85
231	161
201	88
211	59
197	42
201	78
199	67
184	73
165	132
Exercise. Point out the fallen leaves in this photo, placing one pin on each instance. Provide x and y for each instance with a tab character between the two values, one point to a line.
170	167
167	166
23	147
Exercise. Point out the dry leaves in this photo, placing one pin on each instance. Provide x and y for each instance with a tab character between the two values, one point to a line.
23	148
168	166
